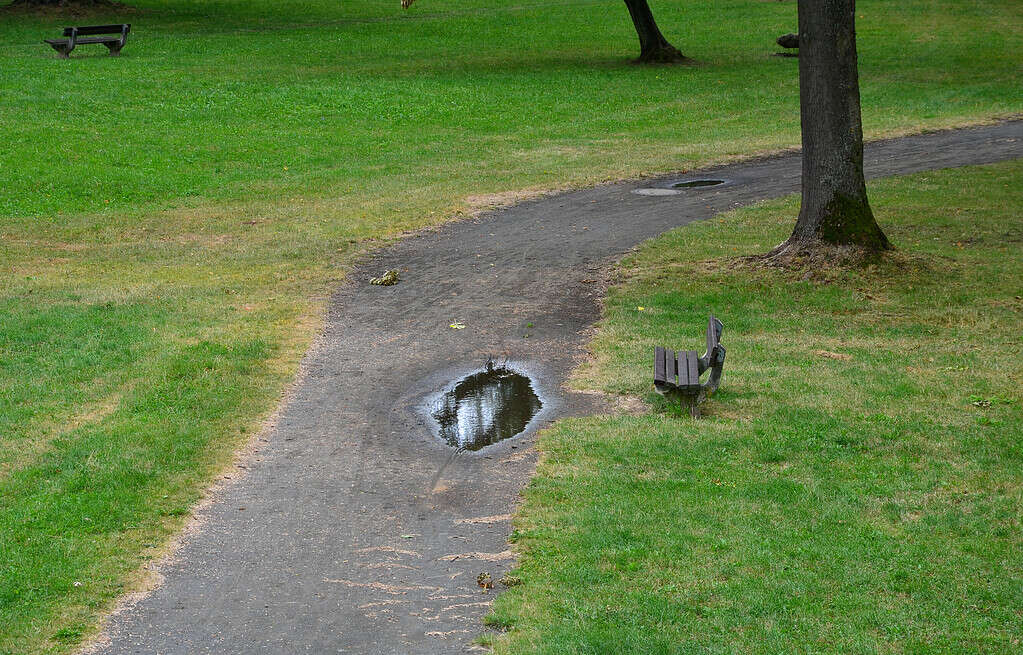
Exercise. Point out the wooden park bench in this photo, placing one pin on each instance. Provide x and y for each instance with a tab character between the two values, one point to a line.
678	373
76	36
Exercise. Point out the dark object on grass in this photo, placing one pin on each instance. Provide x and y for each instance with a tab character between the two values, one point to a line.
788	40
73	37
686	367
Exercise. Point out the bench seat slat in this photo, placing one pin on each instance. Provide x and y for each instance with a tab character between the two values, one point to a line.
693	371
659	374
670	366
88	39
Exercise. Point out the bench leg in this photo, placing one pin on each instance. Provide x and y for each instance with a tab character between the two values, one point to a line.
114	48
62	50
689	402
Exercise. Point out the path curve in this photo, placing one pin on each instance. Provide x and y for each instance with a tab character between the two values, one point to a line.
360	532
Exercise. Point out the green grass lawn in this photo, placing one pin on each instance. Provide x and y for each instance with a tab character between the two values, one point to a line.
169	236
856	485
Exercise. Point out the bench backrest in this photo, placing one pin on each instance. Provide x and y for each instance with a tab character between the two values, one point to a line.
98	29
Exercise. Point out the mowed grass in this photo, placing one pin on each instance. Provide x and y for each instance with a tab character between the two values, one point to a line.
856	486
171	221
241	101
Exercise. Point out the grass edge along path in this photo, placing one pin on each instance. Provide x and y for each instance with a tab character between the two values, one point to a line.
856	485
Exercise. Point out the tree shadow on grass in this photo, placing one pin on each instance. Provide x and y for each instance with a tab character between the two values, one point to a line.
68	8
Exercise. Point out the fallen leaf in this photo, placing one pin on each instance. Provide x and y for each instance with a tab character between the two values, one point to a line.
485	581
389	278
458	326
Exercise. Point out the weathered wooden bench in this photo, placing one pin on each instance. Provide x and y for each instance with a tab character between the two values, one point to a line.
76	36
678	373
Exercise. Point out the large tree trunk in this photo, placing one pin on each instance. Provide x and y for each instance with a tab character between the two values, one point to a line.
834	207
653	47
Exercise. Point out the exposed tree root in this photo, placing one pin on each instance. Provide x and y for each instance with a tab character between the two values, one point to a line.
826	263
815	254
666	54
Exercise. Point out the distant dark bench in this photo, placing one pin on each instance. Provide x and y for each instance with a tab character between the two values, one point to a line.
76	36
679	373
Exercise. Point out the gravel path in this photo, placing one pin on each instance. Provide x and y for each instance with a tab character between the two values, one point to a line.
355	530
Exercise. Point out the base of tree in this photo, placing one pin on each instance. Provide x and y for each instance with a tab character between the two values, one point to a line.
843	265
66	7
818	257
667	54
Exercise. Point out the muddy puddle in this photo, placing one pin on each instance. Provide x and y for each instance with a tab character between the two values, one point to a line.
486	407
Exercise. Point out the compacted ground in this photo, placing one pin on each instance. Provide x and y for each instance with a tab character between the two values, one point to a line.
355	528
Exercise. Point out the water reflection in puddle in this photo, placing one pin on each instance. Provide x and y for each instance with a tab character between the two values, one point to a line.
486	407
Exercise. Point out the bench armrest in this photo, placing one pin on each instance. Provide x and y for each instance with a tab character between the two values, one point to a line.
714	329
717	365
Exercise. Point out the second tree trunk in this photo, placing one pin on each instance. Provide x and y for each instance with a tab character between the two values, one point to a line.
653	47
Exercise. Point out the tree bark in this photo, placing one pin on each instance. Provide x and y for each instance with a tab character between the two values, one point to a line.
653	47
834	207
